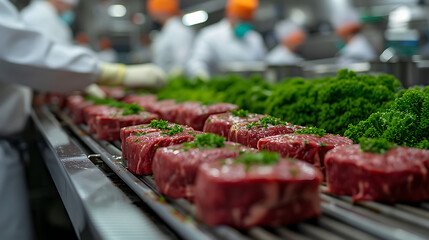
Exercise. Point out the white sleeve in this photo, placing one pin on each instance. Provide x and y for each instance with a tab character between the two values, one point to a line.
202	57
29	58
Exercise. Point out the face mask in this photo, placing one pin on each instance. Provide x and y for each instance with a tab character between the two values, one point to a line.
340	44
241	29
156	26
68	17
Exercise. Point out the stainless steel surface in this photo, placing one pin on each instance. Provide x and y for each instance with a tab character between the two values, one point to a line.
97	209
340	219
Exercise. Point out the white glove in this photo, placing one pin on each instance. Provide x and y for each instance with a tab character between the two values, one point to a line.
147	76
94	90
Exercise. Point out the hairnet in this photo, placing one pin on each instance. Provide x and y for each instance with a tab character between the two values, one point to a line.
163	6
346	21
242	9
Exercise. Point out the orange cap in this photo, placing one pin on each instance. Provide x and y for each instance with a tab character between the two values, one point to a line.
348	28
163	6
242	9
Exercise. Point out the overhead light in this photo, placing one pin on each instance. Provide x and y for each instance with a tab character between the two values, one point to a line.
194	18
400	17
117	10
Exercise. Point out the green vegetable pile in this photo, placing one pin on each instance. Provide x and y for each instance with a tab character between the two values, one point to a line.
128	109
240	113
264	122
206	141
405	122
332	103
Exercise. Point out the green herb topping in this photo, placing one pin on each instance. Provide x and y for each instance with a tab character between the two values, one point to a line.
323	144
159	124
176	129
264	158
263	122
375	145
311	130
132	109
240	113
206	141
136	140
139	134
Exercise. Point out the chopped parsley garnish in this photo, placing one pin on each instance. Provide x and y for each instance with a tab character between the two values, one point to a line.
107	101
176	129
323	145
293	171
136	140
206	141
159	124
139	134
375	145
263	122
185	150
132	109
311	130
264	158
240	113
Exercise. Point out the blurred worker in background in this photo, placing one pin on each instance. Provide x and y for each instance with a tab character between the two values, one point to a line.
82	39
348	28
30	58
230	40
52	18
171	47
106	53
291	37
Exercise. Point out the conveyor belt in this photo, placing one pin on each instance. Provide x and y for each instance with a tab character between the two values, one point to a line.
340	219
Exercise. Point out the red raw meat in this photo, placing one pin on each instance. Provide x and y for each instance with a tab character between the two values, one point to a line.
141	149
175	168
249	137
75	105
399	175
144	101
127	131
195	115
109	126
261	195
309	148
220	124
166	109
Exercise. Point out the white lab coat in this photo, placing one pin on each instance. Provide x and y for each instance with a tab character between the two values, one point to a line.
217	45
42	16
171	47
29	58
282	55
108	55
357	50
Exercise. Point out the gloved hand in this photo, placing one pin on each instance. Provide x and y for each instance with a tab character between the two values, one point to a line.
94	90
147	76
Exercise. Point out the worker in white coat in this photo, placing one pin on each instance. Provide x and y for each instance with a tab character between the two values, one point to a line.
230	40
29	58
171	47
291	37
348	28
45	15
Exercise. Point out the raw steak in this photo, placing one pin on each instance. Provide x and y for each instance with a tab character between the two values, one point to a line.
195	115
220	124
141	149
269	195
75	105
240	133
399	175
109	126
175	168
308	148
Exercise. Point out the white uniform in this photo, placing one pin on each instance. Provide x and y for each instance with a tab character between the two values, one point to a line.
108	55
357	50
217	44
42	16
281	55
29	58
171	48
